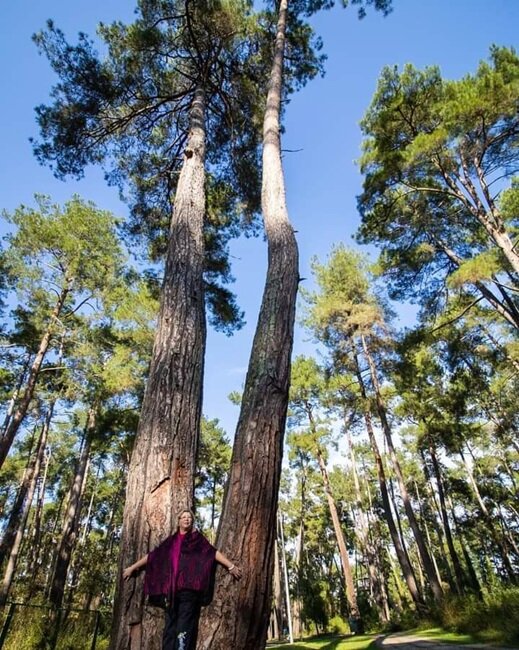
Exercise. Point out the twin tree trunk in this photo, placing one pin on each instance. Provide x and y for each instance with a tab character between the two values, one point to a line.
161	473
239	615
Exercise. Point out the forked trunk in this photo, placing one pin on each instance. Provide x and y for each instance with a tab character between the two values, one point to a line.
162	467
239	615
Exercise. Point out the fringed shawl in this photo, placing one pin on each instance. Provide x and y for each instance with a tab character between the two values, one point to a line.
195	570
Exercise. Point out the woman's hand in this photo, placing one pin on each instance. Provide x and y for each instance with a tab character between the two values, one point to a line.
235	571
128	572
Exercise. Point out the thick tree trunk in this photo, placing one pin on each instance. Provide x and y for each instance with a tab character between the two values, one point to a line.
400	550
238	617
425	556
15	532
162	467
23	406
70	524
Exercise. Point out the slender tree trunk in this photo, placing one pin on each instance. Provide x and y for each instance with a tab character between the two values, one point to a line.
277	609
376	579
428	535
70	524
474	580
489	520
505	307
16	393
239	615
351	594
23	406
28	488
161	473
427	562
298	560
36	531
400	550
458	571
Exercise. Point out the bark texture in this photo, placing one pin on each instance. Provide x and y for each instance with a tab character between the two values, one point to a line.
161	474
239	615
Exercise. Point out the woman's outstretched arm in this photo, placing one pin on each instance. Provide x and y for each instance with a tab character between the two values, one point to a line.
234	570
135	567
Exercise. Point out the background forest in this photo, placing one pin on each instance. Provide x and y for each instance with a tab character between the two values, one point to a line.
399	481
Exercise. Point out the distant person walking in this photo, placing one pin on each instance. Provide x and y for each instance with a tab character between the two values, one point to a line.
179	577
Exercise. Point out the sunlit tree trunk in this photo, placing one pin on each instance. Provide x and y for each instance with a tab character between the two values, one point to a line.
23	405
238	617
376	578
489	520
351	593
277	601
72	514
400	550
162	467
458	571
14	541
425	556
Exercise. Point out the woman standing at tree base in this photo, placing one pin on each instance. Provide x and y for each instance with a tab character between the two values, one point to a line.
180	578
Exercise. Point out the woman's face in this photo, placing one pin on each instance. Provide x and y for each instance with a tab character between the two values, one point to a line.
185	521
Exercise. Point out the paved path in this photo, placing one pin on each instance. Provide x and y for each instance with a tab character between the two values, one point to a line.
403	641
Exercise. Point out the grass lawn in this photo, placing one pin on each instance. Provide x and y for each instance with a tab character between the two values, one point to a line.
331	642
442	636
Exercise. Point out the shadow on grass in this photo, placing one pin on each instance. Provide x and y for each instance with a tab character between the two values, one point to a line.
329	643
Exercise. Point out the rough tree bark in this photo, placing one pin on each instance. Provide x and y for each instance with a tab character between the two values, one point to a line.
161	473
239	615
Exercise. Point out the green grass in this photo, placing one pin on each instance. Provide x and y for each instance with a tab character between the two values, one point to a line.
443	636
329	642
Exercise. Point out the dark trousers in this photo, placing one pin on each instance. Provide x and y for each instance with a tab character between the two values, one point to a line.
181	625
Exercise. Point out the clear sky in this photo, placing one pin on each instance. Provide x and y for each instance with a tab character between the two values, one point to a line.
321	123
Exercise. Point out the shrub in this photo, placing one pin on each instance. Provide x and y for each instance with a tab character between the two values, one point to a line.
494	619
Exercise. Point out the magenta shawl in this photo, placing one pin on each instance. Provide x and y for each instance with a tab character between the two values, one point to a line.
195	570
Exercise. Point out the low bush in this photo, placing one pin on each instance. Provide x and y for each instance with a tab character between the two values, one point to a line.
494	619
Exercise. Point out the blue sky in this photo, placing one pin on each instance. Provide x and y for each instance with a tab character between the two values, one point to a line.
321	123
